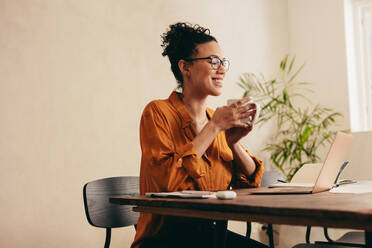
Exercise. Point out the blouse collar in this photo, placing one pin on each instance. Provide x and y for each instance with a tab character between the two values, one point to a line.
175	100
178	104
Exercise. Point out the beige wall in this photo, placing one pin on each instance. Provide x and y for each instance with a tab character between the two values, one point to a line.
317	37
74	78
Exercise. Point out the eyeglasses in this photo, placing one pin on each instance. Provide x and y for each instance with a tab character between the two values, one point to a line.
215	62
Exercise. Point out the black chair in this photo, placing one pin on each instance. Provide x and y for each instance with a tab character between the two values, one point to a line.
269	177
100	212
349	239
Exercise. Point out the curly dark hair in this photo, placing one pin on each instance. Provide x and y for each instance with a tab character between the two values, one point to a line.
180	42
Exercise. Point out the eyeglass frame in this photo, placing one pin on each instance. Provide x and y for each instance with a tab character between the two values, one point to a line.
221	62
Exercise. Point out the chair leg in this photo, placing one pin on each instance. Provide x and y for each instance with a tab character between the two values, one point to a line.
270	233
249	229
308	231
108	237
326	234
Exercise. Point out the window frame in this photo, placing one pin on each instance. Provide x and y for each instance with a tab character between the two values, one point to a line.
358	63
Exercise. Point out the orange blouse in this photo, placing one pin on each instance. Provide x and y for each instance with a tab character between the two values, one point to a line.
169	161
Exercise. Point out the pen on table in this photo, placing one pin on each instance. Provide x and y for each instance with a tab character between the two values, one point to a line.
281	181
347	181
341	169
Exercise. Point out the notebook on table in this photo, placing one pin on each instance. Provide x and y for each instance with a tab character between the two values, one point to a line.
328	173
186	194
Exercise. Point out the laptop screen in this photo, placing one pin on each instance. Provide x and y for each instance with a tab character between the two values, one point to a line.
335	158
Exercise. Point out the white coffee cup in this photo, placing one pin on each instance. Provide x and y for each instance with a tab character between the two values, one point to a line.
249	119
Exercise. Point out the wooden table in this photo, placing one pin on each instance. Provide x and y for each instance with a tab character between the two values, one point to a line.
321	209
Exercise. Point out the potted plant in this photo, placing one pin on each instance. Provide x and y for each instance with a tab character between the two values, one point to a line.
300	130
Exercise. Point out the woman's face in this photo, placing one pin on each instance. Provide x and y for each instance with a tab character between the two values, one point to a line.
202	79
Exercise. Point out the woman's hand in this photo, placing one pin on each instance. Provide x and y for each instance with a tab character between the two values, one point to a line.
231	116
233	135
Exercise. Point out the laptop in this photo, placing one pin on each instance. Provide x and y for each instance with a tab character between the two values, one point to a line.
328	173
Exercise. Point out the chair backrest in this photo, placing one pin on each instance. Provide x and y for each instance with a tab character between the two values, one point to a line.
100	212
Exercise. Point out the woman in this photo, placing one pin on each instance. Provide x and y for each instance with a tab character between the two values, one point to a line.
187	146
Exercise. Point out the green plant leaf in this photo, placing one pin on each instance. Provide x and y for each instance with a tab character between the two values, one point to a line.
296	73
300	132
283	63
291	64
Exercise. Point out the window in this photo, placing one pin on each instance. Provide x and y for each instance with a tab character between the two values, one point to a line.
358	30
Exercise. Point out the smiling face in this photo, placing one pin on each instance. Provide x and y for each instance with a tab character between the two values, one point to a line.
201	79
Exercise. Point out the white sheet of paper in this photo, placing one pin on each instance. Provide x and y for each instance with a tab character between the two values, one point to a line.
363	187
180	195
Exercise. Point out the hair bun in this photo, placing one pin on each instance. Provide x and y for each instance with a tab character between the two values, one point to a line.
179	37
180	42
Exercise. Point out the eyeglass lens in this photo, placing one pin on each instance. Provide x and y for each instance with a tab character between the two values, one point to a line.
216	63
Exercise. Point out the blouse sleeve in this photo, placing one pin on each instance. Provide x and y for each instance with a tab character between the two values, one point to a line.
253	181
166	163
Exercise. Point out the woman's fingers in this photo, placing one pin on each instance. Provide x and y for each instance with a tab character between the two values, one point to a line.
245	111
236	114
240	102
243	101
247	107
247	114
241	124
